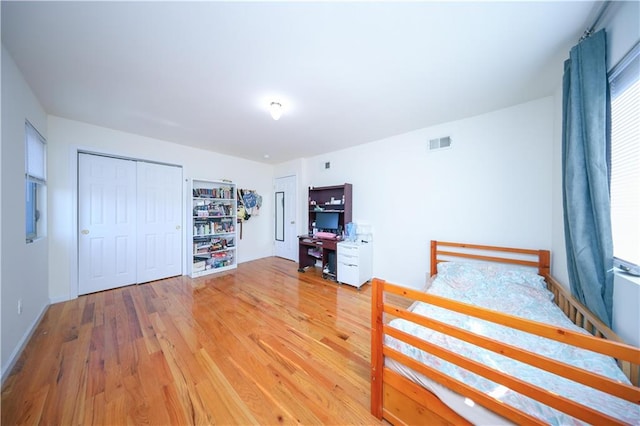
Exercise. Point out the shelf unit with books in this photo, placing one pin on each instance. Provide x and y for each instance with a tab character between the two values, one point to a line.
213	226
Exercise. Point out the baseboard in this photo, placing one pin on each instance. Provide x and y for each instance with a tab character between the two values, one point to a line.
21	344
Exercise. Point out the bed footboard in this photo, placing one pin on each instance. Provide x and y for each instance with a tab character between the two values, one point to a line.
386	388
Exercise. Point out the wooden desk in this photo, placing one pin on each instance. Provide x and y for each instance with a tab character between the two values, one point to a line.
326	251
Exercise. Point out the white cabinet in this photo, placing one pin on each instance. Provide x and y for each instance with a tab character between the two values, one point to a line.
213	226
355	263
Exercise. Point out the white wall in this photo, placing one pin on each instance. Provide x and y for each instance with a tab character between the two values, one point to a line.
67	136
622	24
24	266
626	315
558	249
493	186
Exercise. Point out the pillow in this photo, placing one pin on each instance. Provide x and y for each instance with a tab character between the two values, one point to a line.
464	275
461	276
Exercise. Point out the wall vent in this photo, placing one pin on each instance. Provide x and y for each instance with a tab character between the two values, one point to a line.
440	143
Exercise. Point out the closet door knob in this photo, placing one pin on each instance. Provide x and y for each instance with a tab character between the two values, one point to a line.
178	227
84	231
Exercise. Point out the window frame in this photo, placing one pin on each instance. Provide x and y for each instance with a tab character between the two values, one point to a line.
35	181
622	77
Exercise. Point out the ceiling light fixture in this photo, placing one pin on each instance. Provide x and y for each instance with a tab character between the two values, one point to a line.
276	110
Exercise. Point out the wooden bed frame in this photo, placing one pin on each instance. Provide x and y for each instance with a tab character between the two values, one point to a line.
401	401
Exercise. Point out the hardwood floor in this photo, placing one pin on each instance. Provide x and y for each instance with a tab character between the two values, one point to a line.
263	344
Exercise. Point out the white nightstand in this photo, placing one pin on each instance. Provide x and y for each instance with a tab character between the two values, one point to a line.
355	263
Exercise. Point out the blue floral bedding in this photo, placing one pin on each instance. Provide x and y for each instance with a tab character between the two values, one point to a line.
522	293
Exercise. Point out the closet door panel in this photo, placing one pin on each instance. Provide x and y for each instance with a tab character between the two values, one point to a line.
106	223
159	221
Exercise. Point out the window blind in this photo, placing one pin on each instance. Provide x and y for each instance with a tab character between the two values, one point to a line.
624	82
35	155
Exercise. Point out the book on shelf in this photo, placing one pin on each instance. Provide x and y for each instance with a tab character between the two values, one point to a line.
199	266
222	192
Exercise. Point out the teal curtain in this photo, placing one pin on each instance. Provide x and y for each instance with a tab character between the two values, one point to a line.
585	174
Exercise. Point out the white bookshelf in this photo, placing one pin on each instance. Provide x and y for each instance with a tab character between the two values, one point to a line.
213	227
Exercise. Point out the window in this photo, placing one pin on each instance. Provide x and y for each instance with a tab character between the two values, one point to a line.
35	180
624	80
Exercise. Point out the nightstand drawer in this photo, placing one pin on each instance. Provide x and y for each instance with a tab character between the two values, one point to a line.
349	274
348	252
348	249
348	258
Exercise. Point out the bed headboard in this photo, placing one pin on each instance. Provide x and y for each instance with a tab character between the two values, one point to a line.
442	251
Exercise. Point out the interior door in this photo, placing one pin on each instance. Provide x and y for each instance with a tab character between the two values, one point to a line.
106	223
159	221
286	236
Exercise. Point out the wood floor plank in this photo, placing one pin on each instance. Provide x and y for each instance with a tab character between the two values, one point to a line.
264	404
31	412
262	344
229	407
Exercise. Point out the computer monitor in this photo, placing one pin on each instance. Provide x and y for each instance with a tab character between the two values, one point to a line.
327	221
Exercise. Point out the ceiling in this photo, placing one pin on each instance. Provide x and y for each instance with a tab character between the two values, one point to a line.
203	73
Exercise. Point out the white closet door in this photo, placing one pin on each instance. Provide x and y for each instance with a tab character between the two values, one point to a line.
159	221
106	223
